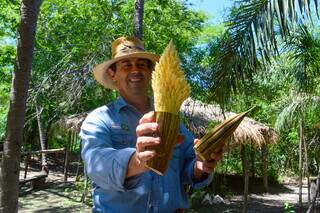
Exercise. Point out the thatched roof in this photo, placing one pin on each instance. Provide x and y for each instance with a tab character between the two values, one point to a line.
73	122
199	115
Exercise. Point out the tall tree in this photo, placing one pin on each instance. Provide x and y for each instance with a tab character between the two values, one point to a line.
304	48
138	18
9	173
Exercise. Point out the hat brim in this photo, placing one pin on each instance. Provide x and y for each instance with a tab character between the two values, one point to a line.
103	77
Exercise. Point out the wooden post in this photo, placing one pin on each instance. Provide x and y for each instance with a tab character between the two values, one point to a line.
66	159
246	176
75	141
226	163
47	151
42	139
85	189
26	165
79	162
72	141
264	154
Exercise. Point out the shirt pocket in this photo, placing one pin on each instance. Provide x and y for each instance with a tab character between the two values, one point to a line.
121	139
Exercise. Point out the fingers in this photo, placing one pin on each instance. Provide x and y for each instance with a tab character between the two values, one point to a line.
205	166
208	166
143	157
146	137
196	140
147	129
149	117
144	141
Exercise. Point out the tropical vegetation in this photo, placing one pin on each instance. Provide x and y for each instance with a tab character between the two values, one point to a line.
266	54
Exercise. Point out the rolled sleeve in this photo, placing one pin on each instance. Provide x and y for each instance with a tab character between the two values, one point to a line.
106	166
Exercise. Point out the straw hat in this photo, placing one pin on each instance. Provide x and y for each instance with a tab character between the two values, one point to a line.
121	48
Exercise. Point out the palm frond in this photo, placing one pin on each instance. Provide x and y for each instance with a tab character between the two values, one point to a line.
297	103
251	39
288	116
304	48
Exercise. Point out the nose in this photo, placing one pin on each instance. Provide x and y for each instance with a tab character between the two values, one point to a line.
135	68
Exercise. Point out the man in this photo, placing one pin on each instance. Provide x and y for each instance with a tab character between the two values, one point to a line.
115	137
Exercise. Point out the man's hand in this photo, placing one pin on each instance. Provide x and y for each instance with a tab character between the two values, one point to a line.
203	168
147	132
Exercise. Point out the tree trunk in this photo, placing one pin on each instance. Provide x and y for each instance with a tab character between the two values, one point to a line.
9	173
264	153
42	138
138	18
245	168
306	169
300	162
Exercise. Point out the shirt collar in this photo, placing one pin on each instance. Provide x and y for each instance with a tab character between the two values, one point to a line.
120	103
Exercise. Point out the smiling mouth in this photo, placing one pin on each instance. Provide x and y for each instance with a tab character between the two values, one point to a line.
135	79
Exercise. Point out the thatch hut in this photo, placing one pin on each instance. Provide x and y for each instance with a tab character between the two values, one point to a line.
72	123
200	114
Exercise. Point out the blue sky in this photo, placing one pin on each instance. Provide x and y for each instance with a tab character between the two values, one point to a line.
215	8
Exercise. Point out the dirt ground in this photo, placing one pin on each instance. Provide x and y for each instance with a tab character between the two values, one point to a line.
57	196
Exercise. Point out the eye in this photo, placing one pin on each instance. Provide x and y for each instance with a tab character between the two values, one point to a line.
143	65
126	65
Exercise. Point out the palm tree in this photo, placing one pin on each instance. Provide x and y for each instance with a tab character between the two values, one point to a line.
251	39
9	173
304	55
253	28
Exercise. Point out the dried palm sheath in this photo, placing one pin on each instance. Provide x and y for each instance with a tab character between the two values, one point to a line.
170	89
217	137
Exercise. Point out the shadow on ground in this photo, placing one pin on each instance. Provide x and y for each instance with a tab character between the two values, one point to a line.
52	197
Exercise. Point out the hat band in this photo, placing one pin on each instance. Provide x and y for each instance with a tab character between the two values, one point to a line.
125	50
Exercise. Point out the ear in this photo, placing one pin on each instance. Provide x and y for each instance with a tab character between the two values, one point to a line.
111	73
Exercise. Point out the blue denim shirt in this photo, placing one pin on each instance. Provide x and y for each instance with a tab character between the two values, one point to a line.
108	141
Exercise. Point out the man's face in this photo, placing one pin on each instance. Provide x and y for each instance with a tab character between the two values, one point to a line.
132	77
